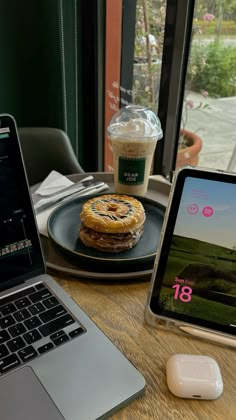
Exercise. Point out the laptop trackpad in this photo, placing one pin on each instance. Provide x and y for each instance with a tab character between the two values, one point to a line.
23	397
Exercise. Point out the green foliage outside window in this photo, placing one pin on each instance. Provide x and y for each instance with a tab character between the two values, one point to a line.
213	67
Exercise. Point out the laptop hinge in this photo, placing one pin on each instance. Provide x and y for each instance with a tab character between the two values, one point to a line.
7	285
21	280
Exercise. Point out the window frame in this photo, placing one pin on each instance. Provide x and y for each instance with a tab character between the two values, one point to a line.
93	23
176	48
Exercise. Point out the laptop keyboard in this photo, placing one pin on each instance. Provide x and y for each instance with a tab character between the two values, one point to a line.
33	322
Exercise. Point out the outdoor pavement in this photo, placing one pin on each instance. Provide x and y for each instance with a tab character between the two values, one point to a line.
216	126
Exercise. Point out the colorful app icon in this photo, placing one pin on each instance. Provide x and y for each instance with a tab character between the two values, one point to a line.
192	208
207	211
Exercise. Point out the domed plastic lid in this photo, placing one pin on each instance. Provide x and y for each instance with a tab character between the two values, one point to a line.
135	122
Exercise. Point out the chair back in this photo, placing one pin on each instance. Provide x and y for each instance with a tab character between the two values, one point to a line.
46	149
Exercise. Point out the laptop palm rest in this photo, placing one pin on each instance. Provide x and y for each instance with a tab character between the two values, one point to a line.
24	398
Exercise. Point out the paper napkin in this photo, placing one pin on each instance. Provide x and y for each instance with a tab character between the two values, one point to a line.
53	183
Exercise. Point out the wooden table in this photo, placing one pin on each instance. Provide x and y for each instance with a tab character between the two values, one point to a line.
117	307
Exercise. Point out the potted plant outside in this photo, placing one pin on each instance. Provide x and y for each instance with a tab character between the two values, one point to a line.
190	145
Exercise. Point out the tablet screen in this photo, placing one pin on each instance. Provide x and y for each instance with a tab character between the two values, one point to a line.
196	275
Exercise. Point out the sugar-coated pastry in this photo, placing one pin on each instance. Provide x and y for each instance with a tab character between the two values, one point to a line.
112	222
113	213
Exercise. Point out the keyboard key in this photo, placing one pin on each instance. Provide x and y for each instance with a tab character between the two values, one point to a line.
76	332
46	347
52	313
22	303
4	336
9	362
57	334
17	329
28	353
40	295
22	315
8	309
16	344
50	302
36	308
32	336
7	321
60	340
16	296
56	325
3	351
33	322
40	286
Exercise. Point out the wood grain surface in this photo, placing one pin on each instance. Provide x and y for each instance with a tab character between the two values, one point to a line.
117	307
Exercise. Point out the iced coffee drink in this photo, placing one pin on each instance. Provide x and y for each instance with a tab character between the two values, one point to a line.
134	132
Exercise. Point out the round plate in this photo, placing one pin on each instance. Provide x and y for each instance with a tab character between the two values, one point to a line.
64	223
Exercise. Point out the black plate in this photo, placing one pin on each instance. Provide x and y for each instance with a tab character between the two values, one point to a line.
64	223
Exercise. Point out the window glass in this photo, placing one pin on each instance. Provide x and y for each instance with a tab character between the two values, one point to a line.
209	105
149	36
210	92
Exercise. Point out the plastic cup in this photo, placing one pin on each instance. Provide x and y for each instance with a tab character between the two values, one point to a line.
134	132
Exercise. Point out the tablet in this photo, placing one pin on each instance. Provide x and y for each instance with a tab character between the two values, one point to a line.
193	286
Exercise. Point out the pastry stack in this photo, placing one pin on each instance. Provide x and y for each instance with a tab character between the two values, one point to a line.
112	222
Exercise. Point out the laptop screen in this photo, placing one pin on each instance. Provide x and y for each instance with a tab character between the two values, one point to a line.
20	251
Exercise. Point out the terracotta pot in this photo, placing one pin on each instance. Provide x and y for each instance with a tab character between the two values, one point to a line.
189	155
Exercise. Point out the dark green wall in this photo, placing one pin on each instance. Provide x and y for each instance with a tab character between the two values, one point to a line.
52	69
32	88
30	69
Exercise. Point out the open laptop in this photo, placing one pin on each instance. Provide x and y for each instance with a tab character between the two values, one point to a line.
55	363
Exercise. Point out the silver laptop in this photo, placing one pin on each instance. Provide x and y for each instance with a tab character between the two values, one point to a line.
55	363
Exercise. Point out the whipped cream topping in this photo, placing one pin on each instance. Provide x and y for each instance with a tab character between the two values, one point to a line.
135	123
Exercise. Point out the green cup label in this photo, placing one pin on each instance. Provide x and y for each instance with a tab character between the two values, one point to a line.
131	170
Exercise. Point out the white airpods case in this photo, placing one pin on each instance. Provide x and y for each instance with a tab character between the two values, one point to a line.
193	376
